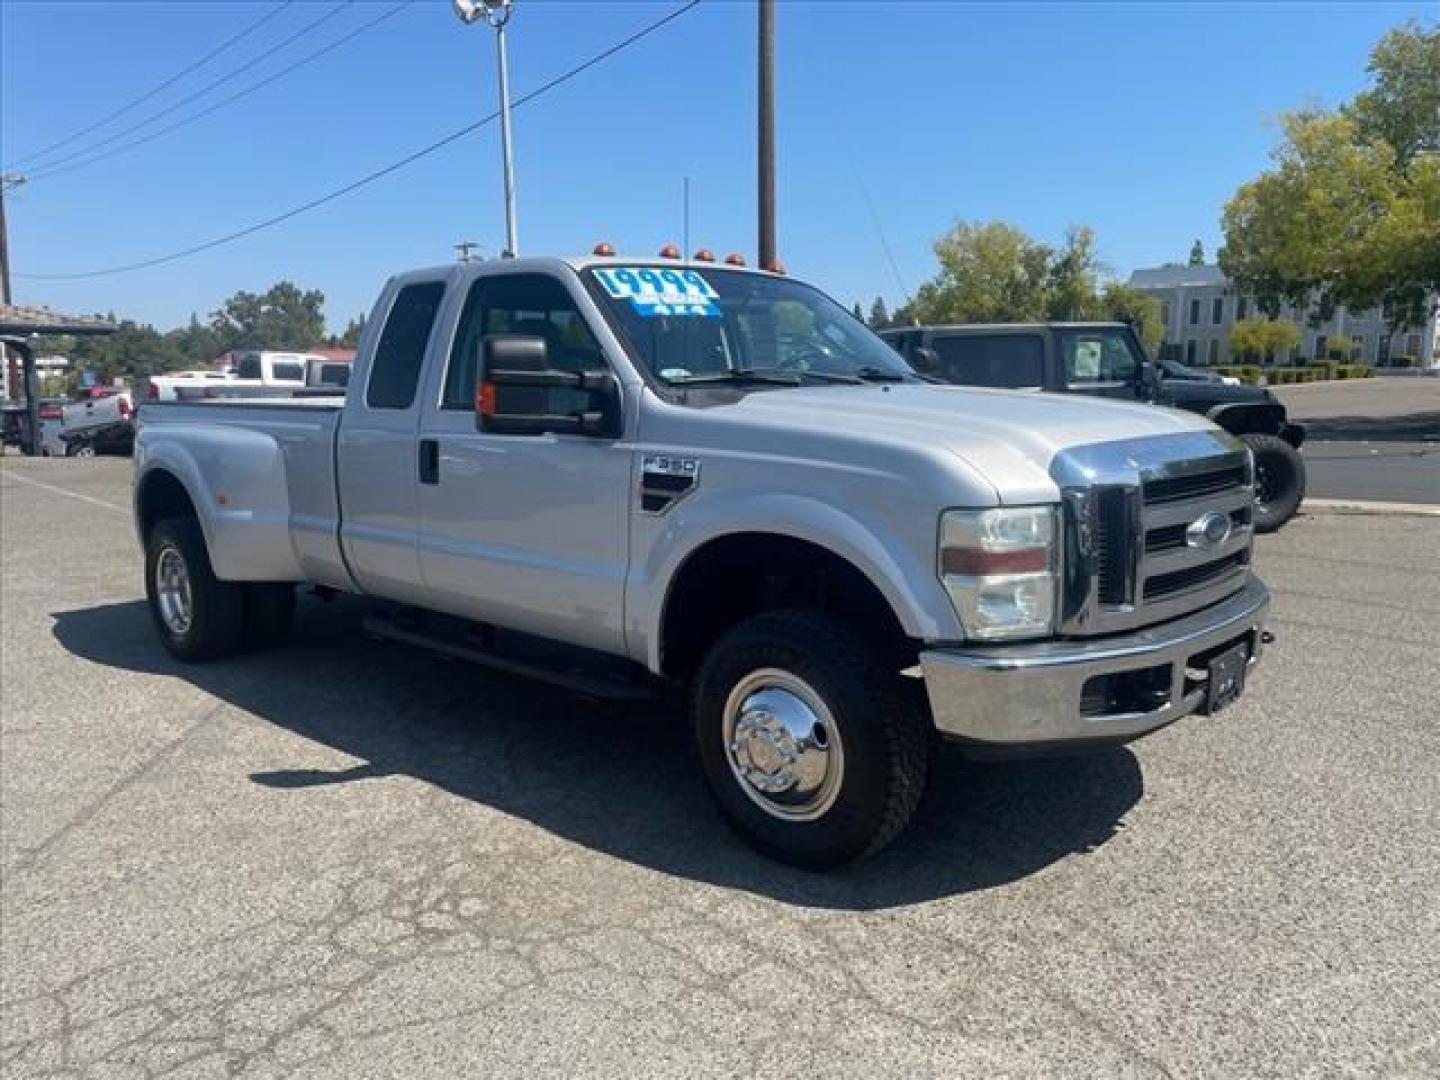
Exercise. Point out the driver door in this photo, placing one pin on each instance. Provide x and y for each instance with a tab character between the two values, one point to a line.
529	532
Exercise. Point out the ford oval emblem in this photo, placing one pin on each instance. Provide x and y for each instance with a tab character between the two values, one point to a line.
1208	531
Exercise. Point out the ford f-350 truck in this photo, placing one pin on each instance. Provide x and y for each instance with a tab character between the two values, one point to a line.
636	474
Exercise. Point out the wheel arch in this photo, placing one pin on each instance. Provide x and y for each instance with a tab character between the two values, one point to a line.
736	575
1248	417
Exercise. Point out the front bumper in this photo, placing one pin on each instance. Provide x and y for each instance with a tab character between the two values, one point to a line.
1070	694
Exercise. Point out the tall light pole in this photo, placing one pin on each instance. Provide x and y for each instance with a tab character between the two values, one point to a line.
766	216
496	14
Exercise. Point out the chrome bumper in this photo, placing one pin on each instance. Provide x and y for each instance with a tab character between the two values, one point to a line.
1021	697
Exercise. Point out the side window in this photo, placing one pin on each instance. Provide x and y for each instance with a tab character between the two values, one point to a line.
1003	360
535	305
395	372
1103	356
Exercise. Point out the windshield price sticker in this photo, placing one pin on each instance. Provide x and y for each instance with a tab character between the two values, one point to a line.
660	291
650	283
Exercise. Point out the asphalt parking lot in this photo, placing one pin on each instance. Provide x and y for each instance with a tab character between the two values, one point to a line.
348	859
1375	440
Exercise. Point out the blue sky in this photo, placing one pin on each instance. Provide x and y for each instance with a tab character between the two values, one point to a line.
1136	119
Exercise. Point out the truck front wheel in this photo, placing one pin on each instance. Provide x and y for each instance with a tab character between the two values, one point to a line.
814	749
199	617
1279	480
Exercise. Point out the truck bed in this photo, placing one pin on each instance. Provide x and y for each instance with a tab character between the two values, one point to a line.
268	464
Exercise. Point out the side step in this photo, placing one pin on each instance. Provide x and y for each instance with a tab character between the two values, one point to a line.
596	686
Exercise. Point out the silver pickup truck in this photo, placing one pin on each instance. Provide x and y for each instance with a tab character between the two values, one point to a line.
634	475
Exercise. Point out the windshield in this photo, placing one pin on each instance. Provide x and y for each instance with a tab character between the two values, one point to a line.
1099	355
689	326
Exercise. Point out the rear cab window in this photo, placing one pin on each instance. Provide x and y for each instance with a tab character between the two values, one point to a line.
400	355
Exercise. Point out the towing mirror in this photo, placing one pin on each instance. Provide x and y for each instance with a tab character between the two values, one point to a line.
514	393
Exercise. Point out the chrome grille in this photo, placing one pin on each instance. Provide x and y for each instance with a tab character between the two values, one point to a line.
1129	559
1190	577
1174	488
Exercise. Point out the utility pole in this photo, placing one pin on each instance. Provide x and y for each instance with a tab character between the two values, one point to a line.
7	181
496	14
768	258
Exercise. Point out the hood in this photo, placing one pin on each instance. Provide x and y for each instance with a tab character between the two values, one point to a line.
1008	437
1196	394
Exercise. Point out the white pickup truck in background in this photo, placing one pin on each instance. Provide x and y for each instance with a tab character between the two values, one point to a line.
256	375
642	476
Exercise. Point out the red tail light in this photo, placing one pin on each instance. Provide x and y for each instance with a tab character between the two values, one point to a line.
126	408
51	412
485	399
153	392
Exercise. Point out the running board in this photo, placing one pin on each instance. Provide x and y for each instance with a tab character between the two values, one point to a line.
596	686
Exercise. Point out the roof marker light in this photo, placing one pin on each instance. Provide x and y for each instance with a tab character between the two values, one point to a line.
734	259
669	251
704	255
603	249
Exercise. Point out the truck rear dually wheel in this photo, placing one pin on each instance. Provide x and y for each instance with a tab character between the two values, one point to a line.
1279	480
813	747
199	617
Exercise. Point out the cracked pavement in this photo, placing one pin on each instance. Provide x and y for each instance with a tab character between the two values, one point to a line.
352	859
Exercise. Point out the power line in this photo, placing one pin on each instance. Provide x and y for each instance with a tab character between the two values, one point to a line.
395	166
54	166
171	81
57	168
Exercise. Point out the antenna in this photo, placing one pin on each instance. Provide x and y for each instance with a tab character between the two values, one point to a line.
463	250
880	232
685	225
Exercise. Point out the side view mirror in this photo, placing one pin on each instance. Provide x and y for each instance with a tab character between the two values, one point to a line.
924	359
512	396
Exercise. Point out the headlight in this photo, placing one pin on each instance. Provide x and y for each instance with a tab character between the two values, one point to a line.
1001	569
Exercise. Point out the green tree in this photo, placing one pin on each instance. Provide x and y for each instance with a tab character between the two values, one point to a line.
1338	347
1268	338
989	272
1124	304
349	338
879	317
284	317
1197	254
1072	278
1350	211
1402	108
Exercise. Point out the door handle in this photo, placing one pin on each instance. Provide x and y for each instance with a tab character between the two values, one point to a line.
430	461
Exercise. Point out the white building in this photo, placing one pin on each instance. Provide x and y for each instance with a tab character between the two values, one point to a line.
1198	308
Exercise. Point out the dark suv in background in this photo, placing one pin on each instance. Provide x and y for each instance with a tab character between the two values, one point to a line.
1107	360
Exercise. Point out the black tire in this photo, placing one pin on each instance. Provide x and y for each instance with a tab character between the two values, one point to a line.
216	608
884	736
1279	480
269	613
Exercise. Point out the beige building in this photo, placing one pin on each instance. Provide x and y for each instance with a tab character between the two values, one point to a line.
1199	307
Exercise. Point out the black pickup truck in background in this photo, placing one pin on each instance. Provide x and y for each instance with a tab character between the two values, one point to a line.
1107	360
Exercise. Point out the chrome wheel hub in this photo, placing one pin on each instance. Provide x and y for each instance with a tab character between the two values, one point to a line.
172	590
782	745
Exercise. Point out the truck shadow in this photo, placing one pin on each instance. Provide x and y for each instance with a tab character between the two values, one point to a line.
619	782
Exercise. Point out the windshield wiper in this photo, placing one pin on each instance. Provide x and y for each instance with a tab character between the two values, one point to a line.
876	374
741	376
